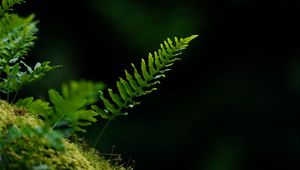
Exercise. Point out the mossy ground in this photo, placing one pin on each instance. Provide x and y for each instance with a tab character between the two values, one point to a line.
34	152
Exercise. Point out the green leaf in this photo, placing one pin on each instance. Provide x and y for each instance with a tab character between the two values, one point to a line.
132	82
123	92
163	53
104	114
127	87
145	73
110	107
177	42
70	108
60	104
77	91
190	38
138	77
38	107
7	5
170	42
116	98
81	118
157	62
160	57
150	64
168	48
17	35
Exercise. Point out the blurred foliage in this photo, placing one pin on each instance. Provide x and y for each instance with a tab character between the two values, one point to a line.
17	35
224	155
141	24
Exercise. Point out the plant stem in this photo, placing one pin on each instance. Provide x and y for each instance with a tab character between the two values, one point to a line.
57	122
16	94
7	97
101	132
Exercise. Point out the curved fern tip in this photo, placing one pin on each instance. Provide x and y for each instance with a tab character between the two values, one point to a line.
190	38
194	36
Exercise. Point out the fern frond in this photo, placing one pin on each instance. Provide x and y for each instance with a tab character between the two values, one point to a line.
67	111
142	81
76	91
7	5
70	108
17	36
12	78
70	115
38	107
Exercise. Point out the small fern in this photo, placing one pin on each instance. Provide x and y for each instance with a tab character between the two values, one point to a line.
69	111
143	81
37	107
17	35
7	4
72	115
71	108
78	91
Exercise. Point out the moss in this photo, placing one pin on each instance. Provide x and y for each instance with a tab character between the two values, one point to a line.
7	117
98	162
34	151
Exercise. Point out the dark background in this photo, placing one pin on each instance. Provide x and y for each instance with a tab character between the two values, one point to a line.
232	102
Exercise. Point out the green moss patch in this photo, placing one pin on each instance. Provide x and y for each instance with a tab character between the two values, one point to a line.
25	143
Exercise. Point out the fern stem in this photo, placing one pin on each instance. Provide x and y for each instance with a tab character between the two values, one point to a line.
7	97
14	98
62	116
102	132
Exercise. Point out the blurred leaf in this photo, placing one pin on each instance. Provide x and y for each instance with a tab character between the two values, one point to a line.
142	26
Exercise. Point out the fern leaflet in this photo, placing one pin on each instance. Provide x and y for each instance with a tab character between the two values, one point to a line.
37	107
